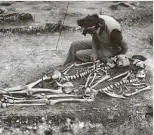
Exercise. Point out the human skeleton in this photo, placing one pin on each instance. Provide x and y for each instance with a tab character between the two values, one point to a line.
63	89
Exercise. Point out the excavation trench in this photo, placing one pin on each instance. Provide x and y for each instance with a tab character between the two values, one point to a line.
104	113
74	119
40	29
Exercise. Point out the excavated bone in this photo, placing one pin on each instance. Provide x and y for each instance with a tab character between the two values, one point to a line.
38	101
120	75
51	102
104	78
141	74
110	90
29	86
112	94
137	91
11	97
33	91
93	78
56	75
86	84
57	96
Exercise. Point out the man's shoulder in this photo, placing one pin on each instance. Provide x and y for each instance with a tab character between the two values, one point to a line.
111	22
107	17
102	16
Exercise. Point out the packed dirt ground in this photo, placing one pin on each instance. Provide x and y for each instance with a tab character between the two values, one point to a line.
106	116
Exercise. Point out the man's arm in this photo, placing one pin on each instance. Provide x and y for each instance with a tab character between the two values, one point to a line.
117	40
116	36
124	47
95	46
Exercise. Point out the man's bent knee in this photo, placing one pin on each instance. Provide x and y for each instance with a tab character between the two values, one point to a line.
82	56
75	44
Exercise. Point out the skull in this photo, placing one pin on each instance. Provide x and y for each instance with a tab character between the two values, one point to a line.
121	60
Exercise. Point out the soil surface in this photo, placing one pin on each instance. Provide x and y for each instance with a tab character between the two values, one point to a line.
24	58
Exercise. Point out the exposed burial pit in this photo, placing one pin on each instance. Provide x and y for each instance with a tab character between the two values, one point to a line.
106	115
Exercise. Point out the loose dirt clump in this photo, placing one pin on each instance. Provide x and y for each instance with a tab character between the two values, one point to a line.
5	3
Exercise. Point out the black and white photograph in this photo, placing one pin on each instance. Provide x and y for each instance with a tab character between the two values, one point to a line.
76	67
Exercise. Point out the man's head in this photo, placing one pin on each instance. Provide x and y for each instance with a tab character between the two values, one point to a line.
90	21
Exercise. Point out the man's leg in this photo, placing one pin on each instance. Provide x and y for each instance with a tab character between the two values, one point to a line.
76	46
84	55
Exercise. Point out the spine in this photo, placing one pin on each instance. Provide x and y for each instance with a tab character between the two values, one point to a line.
78	75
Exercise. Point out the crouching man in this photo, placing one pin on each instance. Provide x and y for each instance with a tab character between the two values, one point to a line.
107	40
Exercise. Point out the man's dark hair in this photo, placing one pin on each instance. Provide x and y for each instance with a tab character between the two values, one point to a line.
90	21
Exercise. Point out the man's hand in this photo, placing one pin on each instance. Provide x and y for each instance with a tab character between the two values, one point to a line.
90	30
111	64
119	48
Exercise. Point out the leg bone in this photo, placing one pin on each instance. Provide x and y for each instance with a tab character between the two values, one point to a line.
29	86
4	105
15	98
28	101
51	102
59	96
36	90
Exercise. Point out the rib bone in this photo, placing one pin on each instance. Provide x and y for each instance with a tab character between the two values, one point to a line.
112	94
128	75
101	80
67	69
93	79
88	80
131	94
